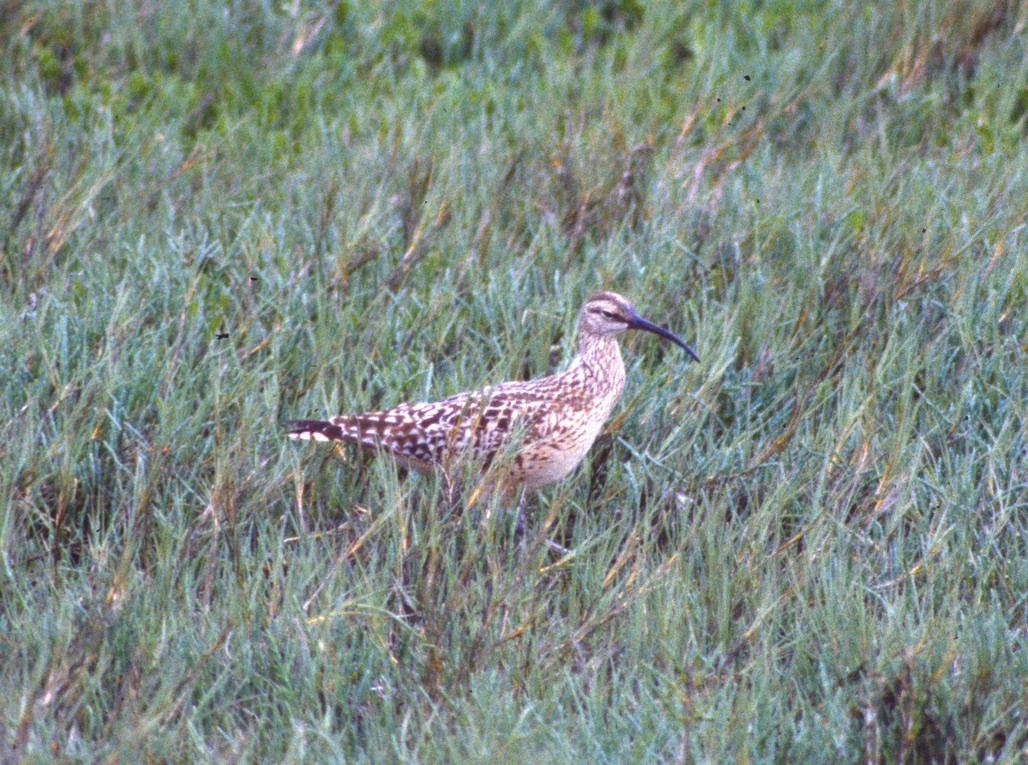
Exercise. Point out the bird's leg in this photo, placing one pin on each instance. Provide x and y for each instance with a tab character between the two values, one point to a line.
520	523
556	547
521	530
452	493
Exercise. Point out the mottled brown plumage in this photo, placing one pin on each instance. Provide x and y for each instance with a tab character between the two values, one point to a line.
548	423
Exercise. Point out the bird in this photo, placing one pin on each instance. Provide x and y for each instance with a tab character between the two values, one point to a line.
542	428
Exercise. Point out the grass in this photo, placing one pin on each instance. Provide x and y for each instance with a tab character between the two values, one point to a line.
810	546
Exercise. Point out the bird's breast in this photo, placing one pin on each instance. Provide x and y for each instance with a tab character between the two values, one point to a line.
561	438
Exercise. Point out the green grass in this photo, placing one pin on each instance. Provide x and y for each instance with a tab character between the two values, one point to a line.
812	546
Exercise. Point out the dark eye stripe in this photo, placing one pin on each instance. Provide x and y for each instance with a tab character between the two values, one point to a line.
598	309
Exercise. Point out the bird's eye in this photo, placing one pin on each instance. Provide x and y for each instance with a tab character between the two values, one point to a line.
609	314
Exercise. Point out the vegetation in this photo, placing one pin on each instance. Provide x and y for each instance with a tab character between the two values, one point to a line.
811	546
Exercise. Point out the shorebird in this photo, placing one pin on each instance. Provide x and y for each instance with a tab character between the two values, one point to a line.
545	425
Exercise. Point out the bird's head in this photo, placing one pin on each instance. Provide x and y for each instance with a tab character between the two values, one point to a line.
607	314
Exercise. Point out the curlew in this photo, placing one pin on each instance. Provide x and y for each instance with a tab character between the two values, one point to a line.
545	426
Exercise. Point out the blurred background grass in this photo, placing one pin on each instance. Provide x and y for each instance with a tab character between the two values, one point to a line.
812	545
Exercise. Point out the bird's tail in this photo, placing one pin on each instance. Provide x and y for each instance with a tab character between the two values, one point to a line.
314	430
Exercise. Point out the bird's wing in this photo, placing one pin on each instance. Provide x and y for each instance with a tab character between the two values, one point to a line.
477	424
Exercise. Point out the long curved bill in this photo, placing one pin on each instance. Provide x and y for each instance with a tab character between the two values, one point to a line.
638	322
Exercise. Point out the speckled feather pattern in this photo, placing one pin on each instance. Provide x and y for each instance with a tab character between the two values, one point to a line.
551	421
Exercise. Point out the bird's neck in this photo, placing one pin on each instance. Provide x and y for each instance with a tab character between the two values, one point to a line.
600	357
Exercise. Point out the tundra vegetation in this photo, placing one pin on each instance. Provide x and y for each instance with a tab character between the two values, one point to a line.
810	546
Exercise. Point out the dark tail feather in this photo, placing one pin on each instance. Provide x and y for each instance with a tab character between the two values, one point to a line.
313	430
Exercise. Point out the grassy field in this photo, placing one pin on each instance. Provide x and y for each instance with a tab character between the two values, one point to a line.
810	547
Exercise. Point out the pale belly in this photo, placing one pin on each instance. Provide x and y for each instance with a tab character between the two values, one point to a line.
551	459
